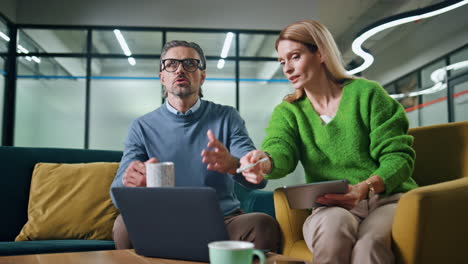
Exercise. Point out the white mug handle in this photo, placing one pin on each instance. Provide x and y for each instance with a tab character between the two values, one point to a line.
260	255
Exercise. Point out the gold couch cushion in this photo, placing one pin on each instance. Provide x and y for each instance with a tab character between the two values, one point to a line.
70	201
441	152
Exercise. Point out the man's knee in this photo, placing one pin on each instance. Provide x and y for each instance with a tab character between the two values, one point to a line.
120	234
266	231
258	228
264	222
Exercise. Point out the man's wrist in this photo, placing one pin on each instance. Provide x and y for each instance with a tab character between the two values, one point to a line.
235	164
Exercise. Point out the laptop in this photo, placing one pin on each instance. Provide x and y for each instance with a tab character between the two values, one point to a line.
171	222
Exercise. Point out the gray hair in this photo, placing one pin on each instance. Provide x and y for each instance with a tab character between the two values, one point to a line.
182	43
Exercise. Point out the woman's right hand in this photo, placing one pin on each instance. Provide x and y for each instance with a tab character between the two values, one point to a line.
255	174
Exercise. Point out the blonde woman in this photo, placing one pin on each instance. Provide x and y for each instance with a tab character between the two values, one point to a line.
339	127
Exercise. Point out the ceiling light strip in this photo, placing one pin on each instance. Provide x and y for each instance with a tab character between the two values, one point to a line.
22	49
227	44
124	46
4	36
395	21
132	61
225	50
122	42
220	64
36	59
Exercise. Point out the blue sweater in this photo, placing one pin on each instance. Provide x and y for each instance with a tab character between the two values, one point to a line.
181	139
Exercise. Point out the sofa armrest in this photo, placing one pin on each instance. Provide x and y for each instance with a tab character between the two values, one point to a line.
290	221
430	224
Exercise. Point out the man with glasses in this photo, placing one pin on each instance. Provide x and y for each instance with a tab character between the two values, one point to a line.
204	140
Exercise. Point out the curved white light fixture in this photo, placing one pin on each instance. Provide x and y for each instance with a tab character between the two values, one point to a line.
397	20
439	78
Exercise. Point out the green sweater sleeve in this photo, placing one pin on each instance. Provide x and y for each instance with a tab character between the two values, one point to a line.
390	143
281	141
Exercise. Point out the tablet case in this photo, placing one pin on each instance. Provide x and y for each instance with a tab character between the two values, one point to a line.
303	196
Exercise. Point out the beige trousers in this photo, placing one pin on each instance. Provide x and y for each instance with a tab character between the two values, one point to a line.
359	236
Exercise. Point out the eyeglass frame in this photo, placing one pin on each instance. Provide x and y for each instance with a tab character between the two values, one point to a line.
199	64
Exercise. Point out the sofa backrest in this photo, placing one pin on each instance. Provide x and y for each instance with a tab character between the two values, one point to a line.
441	152
16	167
255	200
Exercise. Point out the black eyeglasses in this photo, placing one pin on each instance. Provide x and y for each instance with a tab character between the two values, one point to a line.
190	65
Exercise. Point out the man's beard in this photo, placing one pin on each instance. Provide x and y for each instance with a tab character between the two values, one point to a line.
182	91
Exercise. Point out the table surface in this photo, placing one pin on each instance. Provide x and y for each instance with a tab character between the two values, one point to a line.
108	257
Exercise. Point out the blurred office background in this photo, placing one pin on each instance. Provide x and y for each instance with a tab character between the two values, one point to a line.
66	81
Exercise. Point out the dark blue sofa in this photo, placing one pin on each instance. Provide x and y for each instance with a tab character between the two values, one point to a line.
16	167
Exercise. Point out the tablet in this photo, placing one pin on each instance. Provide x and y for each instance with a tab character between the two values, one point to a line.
303	196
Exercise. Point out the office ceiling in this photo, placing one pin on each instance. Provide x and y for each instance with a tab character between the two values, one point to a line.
345	19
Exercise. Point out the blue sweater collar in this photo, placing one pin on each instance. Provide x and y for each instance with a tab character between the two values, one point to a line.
192	109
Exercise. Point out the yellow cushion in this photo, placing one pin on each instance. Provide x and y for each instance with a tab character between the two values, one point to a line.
70	201
301	251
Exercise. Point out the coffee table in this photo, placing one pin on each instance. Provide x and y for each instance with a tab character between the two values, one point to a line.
127	256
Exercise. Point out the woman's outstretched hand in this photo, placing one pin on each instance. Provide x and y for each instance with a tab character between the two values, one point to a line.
257	173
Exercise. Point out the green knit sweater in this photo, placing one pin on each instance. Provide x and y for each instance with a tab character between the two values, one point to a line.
368	136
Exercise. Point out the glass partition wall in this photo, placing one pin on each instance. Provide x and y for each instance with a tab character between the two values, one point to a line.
4	40
2	87
50	103
81	87
460	85
437	92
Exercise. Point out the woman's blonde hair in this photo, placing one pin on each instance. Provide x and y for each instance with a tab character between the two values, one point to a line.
316	36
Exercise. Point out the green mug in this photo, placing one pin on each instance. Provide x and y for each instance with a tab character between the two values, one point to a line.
233	252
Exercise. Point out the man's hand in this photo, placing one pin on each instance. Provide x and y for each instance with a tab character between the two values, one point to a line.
218	157
257	173
135	174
